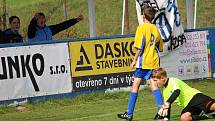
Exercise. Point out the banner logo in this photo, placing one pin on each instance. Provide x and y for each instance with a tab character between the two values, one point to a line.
81	64
21	65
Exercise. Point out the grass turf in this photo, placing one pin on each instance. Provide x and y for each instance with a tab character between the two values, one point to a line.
96	107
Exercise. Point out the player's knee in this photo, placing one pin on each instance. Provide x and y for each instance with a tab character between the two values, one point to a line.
185	117
134	88
153	85
212	108
135	85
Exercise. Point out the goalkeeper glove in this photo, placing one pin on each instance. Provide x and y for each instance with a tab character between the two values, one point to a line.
164	112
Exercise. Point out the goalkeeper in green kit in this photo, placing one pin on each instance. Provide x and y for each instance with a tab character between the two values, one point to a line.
196	105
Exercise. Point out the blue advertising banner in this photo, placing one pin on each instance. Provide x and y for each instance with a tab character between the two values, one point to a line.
211	38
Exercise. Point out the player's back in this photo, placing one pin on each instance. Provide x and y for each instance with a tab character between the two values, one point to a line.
186	92
146	39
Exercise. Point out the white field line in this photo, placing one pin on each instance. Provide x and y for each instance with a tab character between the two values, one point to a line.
102	115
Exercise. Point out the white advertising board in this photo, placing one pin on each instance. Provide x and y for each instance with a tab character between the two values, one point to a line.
28	71
167	20
190	61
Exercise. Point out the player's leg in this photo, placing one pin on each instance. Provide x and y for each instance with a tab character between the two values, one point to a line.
159	101
202	105
133	95
155	90
191	111
157	93
139	75
212	107
207	103
132	100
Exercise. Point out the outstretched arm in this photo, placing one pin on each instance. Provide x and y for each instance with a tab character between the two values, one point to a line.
64	25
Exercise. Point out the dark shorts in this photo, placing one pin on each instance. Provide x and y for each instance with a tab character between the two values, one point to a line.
199	103
143	73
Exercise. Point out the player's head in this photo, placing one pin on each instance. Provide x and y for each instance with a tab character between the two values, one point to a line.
149	13
160	76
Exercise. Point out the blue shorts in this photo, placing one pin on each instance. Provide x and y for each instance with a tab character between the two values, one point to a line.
143	73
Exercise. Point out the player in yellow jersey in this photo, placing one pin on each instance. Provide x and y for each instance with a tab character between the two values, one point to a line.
147	43
196	105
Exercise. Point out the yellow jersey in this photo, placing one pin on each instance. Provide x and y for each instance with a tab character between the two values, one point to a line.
149	42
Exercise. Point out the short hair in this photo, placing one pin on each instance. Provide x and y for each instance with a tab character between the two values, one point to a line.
149	13
158	73
39	15
13	17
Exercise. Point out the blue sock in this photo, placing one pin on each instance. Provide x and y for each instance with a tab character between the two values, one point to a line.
131	103
158	97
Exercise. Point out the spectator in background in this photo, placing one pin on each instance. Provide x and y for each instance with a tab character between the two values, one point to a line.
1	33
39	31
3	37
12	33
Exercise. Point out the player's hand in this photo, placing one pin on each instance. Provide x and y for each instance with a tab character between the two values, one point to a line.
163	111
133	64
80	17
148	82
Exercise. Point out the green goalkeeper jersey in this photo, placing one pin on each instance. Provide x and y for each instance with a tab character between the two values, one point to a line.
186	92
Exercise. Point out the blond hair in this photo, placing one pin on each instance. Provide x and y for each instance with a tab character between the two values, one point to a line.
39	15
159	73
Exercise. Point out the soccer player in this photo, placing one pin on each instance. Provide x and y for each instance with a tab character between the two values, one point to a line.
194	102
147	43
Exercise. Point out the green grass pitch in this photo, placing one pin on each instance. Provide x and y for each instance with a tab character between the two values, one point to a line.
96	107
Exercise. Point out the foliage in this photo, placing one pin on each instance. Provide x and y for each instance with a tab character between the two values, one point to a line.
108	15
